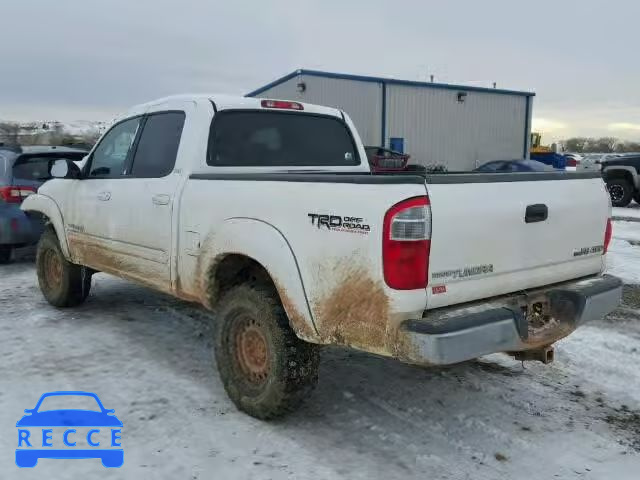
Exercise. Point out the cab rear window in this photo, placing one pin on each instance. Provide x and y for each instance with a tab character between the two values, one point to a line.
279	139
38	167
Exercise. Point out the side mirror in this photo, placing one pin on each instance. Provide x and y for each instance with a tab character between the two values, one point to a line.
64	168
28	410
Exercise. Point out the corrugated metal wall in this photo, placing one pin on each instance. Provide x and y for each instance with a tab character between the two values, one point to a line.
437	129
361	100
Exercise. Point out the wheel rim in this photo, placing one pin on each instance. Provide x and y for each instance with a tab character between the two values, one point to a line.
616	192
252	350
52	269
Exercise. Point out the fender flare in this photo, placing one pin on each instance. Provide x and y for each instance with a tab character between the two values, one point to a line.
267	245
47	207
632	171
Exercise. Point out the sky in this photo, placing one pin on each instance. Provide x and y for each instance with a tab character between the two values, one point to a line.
73	60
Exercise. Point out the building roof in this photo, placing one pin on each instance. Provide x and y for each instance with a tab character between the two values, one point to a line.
387	81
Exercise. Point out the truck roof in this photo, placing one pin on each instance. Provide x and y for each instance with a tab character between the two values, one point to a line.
227	102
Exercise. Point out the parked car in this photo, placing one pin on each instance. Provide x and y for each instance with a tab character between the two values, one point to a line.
506	166
622	176
572	160
553	159
22	171
268	211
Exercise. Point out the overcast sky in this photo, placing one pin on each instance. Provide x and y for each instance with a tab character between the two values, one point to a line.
88	59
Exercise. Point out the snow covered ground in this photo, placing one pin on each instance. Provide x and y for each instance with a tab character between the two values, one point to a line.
148	357
631	212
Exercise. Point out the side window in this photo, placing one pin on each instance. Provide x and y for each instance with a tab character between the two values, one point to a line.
158	145
110	156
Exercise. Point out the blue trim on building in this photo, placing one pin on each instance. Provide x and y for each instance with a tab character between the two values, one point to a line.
387	81
383	133
527	113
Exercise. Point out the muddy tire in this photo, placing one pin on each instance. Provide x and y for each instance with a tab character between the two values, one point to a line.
620	191
62	283
266	369
5	254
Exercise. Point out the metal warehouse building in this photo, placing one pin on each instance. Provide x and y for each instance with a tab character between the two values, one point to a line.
458	126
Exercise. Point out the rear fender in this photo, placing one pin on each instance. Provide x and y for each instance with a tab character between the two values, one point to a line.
265	244
47	207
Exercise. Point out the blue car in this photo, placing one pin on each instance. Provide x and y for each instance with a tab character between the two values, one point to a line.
40	418
22	171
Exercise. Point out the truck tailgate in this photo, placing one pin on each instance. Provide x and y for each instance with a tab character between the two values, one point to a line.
490	235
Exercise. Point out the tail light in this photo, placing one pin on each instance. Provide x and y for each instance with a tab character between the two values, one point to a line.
406	243
15	194
572	162
281	104
608	233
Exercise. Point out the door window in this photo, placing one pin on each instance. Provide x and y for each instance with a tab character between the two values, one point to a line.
110	156
157	148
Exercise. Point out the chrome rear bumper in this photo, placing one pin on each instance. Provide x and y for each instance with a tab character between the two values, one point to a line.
513	323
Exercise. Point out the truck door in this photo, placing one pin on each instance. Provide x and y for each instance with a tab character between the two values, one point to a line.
135	228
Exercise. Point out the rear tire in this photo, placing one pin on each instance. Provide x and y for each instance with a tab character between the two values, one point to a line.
62	283
620	191
267	371
636	196
5	254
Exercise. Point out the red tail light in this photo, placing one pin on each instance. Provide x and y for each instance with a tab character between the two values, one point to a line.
15	194
406	243
572	162
281	104
608	233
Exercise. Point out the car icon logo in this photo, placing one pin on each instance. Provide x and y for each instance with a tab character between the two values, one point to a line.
69	433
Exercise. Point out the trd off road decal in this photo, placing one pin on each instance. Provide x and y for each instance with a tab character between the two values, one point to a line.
340	223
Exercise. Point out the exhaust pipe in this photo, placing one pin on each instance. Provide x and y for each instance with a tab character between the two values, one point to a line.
544	355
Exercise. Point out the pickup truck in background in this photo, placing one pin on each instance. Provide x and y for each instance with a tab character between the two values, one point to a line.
267	212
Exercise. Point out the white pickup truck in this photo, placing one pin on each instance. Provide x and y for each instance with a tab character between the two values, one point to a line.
267	212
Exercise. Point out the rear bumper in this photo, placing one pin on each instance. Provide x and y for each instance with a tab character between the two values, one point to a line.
523	321
18	227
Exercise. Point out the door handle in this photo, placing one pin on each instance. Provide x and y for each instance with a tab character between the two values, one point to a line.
104	196
160	199
536	213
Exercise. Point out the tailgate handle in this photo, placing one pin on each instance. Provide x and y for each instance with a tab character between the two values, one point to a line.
536	213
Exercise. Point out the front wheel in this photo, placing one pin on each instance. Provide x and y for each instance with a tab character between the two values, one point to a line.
267	371
621	192
62	283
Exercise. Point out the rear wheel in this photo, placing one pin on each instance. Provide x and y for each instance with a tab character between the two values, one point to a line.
267	371
62	283
5	253
621	191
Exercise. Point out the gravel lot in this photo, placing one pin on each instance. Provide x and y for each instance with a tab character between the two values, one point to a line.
148	357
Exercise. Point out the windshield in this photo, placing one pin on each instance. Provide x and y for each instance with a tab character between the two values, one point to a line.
265	138
69	402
